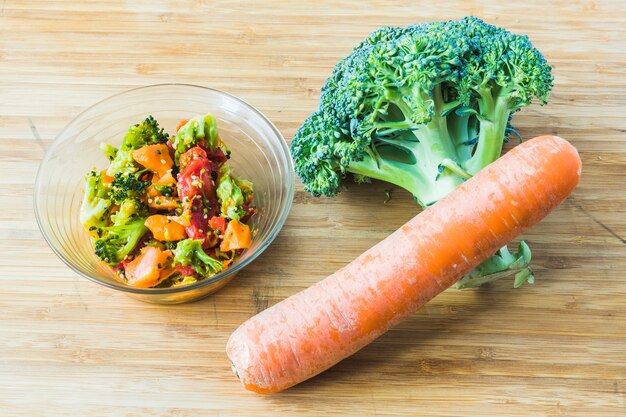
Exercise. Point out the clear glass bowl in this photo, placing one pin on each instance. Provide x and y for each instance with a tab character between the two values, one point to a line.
259	154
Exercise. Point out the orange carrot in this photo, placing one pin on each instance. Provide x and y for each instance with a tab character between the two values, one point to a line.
157	201
165	180
106	179
145	270
181	124
154	157
165	229
311	331
236	236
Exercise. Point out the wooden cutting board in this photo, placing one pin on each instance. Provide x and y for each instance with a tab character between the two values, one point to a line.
69	347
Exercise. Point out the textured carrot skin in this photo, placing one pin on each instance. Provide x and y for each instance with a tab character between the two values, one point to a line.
310	331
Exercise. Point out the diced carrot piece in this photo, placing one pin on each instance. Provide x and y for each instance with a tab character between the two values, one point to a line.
145	270
166	273
167	179
154	157
181	124
218	223
157	201
236	236
165	229
106	179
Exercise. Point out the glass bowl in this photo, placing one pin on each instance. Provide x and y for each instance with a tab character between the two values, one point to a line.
259	154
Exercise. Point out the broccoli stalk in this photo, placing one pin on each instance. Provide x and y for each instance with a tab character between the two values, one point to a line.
423	107
190	252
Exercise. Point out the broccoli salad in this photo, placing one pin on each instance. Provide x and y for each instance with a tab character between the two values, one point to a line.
167	211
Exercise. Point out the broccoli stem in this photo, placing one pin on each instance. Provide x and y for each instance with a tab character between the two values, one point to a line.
410	155
412	165
494	116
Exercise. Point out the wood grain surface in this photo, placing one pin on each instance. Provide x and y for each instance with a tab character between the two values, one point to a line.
69	347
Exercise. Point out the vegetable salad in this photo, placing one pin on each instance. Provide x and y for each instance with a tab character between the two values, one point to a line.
168	211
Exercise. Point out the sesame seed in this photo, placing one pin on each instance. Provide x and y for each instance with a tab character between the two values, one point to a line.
163	161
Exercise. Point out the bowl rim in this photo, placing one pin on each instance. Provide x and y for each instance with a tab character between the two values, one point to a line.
290	185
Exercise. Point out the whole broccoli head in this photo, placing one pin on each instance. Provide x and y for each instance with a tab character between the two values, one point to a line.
423	107
190	252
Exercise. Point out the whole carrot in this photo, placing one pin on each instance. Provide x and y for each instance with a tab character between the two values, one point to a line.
314	329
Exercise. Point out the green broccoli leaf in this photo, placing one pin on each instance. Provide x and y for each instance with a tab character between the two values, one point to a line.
501	265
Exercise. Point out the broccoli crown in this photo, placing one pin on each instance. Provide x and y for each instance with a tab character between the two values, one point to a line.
145	133
127	186
129	210
190	252
422	107
117	241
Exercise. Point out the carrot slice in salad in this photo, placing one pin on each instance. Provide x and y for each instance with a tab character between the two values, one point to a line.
236	236
154	157
165	229
145	270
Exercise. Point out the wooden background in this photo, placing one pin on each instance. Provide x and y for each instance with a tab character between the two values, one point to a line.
72	348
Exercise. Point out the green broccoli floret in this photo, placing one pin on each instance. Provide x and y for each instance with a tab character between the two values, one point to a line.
127	185
96	201
195	130
129	210
232	193
110	151
190	252
141	134
122	162
422	107
118	240
144	133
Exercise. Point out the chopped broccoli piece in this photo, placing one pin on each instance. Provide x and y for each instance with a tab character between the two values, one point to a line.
122	163
96	201
199	129
129	210
141	134
232	193
127	185
190	252
144	133
110	151
118	240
